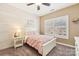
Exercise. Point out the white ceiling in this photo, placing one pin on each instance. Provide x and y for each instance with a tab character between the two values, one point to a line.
43	9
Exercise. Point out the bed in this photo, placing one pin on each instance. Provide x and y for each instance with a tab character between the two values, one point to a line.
42	43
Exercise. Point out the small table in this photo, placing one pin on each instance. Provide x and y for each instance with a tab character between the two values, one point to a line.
18	41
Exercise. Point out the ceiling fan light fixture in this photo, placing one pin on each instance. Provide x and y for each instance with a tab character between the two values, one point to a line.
38	4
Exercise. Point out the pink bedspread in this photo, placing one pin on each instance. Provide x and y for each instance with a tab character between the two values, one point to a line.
37	41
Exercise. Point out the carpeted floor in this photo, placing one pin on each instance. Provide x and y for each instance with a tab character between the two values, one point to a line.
61	50
26	50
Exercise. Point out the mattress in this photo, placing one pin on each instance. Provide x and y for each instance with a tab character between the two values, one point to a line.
43	38
37	41
47	38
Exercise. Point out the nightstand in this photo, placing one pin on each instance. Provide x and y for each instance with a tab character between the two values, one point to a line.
18	41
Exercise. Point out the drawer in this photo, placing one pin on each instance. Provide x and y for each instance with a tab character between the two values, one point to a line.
19	38
18	42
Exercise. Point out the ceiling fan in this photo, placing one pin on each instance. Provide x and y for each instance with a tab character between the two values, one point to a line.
38	6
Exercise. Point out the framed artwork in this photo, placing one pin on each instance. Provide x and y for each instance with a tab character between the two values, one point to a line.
59	27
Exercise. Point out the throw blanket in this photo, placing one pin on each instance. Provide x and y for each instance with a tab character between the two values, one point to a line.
37	41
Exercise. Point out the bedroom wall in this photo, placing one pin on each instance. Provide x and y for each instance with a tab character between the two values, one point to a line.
73	12
11	19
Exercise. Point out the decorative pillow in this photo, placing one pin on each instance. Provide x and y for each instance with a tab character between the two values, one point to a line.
32	33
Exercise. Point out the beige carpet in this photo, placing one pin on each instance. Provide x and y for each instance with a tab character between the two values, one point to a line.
26	50
61	50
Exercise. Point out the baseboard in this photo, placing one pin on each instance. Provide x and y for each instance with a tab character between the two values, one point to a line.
65	44
5	47
5	44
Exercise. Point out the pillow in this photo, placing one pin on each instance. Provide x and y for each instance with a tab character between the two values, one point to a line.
32	33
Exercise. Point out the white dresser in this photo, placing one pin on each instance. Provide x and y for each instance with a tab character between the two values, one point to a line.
77	46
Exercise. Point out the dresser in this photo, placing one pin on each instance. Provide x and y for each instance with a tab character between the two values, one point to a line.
77	46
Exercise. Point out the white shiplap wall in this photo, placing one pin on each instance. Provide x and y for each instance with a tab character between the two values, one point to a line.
12	18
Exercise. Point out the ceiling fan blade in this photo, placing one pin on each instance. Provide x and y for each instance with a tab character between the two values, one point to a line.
38	7
30	4
46	4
